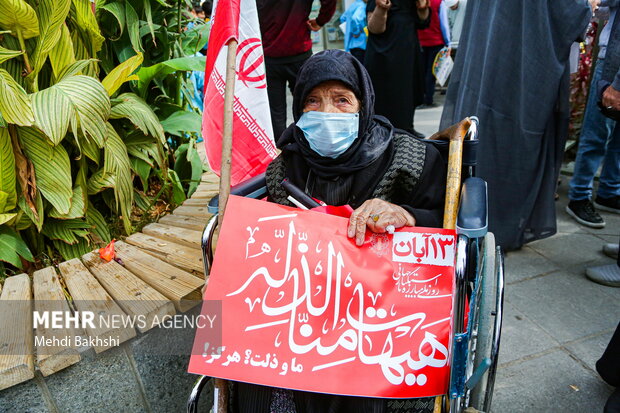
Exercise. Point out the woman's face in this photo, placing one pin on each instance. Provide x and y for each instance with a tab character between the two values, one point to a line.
332	97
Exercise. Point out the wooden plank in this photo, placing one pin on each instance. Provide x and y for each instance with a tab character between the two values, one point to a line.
16	341
193	211
206	195
197	224
134	296
58	350
181	287
89	296
210	177
183	236
199	202
189	259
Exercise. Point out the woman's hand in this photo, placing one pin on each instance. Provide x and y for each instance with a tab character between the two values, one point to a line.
377	214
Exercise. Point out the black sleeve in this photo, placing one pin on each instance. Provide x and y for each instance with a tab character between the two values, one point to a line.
427	200
419	23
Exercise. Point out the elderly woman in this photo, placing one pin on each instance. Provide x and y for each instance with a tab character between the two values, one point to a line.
340	152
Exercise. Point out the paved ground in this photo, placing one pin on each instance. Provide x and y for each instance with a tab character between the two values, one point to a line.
556	322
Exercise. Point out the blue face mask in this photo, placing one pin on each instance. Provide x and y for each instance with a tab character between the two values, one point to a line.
329	134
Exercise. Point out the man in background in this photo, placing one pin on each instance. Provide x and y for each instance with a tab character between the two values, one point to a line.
285	27
599	142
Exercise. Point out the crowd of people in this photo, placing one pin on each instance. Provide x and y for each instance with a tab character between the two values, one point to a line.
353	128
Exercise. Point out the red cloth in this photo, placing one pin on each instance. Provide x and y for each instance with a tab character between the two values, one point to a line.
431	36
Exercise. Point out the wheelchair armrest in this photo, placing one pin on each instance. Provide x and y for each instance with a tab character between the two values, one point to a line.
472	218
254	187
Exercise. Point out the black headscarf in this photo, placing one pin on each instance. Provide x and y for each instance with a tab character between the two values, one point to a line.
375	132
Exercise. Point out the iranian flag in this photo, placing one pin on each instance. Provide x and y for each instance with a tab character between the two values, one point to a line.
253	144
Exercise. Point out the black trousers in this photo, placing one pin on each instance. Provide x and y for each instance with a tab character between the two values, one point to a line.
428	58
280	73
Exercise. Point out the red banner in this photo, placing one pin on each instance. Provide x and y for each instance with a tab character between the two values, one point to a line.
304	308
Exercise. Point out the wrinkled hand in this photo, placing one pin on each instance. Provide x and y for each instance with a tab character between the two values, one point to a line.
313	25
384	4
425	4
611	98
377	214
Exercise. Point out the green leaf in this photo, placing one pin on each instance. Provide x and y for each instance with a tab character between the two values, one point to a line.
6	217
70	251
75	68
142	201
40	214
14	102
76	100
90	149
178	194
121	73
117	10
117	164
68	231
142	169
195	39
52	14
62	55
100	181
182	121
12	247
188	166
51	167
98	224
77	206
18	16
7	171
145	148
87	26
6	54
132	107
149	19
163	69
133	27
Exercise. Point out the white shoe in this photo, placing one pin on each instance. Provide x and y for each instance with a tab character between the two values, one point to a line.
611	250
605	274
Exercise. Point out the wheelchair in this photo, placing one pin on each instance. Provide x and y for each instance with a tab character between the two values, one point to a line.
478	296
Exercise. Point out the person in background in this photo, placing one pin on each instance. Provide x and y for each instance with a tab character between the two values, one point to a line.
456	18
354	19
433	39
393	58
516	82
207	9
285	27
598	142
197	11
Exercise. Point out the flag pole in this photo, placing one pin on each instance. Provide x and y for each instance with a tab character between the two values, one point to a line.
221	385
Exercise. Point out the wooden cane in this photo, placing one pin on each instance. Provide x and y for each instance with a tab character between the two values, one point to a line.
221	385
455	135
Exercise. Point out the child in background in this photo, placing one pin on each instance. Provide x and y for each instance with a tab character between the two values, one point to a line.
354	20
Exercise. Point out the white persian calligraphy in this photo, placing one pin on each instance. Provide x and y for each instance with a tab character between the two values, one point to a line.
317	306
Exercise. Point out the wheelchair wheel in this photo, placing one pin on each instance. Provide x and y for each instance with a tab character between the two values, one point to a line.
201	397
486	334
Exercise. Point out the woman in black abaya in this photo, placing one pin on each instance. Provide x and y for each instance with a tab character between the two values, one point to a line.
393	57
